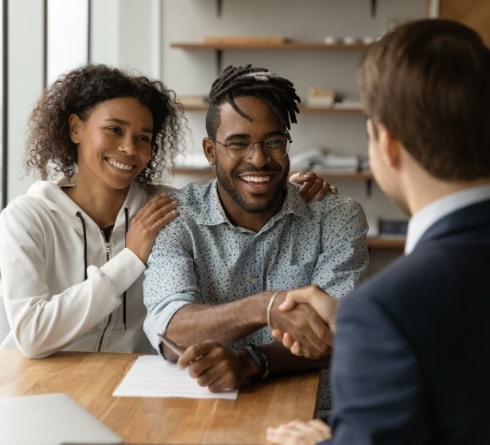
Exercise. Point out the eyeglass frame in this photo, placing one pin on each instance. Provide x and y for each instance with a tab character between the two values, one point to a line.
251	148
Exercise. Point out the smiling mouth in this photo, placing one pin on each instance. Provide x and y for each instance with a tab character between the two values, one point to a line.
256	179
120	165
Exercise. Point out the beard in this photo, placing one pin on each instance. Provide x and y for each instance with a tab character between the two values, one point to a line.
275	199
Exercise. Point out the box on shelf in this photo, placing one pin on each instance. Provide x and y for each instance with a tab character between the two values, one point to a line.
192	100
320	97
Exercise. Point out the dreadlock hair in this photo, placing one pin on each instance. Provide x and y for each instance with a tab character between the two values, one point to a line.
276	91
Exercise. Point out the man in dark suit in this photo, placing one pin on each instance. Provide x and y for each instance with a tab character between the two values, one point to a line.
411	360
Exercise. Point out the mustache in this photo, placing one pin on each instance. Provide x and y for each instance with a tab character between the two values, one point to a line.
263	170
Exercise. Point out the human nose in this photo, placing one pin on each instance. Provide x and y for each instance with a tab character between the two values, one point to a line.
128	146
258	156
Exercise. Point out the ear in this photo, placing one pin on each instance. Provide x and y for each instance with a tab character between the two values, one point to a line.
74	123
389	146
209	149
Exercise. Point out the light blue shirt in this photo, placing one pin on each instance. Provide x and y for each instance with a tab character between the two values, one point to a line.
201	257
436	210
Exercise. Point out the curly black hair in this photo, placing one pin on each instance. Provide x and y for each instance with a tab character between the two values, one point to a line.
235	81
49	147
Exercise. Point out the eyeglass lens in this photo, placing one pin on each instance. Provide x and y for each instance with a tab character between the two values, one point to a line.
275	147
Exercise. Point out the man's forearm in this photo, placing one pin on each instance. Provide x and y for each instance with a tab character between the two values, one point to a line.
225	323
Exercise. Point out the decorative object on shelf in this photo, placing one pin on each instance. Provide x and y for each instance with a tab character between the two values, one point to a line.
350	40
320	97
331	40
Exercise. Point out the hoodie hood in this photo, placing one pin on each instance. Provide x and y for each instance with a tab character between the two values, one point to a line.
53	196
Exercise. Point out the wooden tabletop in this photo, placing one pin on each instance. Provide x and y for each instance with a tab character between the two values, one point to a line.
90	379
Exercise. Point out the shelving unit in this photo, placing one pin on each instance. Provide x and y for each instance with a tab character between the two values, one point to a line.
287	46
302	108
385	243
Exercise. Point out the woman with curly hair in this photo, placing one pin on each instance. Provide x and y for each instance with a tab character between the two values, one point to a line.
73	250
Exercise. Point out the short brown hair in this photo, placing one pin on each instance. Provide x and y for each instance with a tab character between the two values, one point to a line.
428	83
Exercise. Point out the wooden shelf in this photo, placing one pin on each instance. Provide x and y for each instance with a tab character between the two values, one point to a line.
302	108
386	243
330	110
289	46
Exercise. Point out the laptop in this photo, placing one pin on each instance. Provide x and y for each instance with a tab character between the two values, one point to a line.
51	419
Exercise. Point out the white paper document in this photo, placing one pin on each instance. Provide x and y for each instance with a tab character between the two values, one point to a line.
152	376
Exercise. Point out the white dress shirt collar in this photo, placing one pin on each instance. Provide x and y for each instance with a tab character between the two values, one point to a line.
431	213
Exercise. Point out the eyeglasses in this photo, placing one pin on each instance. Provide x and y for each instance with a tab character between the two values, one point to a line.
275	147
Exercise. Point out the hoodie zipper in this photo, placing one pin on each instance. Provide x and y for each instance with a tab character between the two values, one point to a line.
109	318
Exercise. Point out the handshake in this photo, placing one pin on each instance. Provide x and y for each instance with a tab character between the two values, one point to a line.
304	321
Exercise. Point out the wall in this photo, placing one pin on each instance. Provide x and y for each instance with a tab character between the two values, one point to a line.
25	82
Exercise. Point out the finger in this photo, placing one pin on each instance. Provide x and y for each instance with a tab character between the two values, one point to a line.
289	302
324	191
293	297
164	220
287	340
310	188
158	219
296	349
277	334
301	177
333	190
320	426
154	210
192	354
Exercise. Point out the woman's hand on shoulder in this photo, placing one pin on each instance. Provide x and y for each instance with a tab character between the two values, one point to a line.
312	185
151	218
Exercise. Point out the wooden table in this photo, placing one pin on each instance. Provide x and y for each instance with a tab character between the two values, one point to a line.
90	379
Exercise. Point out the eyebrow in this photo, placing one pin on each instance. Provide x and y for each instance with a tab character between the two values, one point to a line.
247	136
125	123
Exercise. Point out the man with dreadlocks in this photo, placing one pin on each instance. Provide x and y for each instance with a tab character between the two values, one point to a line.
215	275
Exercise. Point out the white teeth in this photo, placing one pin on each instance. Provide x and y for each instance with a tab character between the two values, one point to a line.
120	165
256	178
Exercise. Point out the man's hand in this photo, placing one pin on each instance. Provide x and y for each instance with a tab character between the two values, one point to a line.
218	368
312	186
299	432
302	324
323	305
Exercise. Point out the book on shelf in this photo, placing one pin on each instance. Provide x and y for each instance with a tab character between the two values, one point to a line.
245	40
387	228
327	160
393	228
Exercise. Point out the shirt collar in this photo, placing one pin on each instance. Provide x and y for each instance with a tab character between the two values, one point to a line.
436	210
213	213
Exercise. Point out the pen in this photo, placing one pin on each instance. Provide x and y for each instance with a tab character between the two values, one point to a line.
171	345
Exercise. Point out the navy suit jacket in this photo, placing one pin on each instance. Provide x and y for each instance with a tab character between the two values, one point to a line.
411	359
